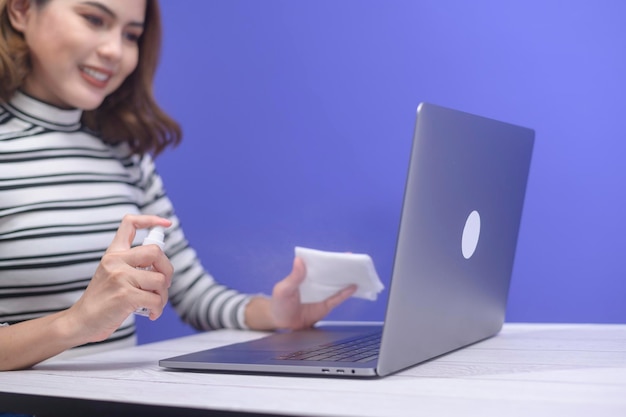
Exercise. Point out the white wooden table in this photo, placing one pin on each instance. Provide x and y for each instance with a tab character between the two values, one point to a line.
527	370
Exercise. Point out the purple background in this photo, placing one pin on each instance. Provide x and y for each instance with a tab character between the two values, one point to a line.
298	118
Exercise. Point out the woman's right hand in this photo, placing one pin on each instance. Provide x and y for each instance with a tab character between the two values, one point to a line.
118	287
116	290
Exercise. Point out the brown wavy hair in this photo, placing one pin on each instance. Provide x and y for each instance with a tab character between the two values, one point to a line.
130	114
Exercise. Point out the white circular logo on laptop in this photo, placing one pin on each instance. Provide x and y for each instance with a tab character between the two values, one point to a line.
471	233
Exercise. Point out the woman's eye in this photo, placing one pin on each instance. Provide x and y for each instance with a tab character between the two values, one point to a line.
94	20
132	37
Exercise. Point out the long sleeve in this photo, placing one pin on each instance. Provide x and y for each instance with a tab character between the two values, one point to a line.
195	295
64	192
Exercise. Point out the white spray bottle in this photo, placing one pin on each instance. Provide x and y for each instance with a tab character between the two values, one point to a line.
155	237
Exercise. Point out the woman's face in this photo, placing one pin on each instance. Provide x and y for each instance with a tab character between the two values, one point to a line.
81	50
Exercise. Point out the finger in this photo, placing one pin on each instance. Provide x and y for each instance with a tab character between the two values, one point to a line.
149	256
341	296
128	227
298	273
291	283
154	302
163	265
156	313
151	292
151	281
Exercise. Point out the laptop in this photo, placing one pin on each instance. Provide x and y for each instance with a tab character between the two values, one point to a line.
453	261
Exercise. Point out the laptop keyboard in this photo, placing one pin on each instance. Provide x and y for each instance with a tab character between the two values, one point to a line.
361	349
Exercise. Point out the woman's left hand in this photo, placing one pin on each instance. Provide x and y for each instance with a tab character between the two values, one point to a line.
285	310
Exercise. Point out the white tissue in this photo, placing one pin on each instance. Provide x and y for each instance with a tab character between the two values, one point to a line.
329	272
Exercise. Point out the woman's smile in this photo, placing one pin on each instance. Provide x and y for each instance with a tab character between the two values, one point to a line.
96	76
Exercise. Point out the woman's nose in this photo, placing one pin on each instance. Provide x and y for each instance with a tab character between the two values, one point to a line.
112	47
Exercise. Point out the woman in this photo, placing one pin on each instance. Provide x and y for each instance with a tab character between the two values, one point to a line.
78	129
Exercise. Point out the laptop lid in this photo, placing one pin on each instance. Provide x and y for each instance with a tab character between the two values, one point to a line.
454	256
457	240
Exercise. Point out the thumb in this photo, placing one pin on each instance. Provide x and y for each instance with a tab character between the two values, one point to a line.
128	228
298	273
291	283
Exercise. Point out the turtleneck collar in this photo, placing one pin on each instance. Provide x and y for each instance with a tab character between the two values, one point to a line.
44	112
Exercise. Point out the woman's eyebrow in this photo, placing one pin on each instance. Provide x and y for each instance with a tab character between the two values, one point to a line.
110	12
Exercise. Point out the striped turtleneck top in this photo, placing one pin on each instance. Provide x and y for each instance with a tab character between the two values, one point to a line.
63	193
